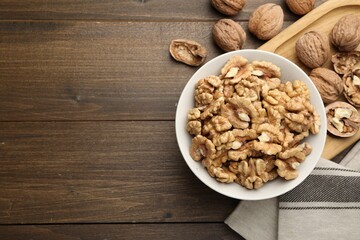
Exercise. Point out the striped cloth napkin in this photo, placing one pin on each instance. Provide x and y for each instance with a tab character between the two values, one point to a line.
326	205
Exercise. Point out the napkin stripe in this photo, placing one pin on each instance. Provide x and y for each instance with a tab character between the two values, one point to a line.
335	169
318	204
334	189
317	208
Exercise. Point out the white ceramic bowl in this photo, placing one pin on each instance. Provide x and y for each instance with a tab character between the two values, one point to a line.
289	72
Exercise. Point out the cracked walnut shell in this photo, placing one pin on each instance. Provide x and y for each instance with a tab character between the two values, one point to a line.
187	51
228	7
228	35
345	35
313	49
300	7
266	21
345	62
328	83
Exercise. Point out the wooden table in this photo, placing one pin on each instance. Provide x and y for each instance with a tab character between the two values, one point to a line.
88	94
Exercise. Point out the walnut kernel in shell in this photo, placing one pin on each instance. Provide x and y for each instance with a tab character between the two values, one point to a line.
351	82
266	21
342	119
345	62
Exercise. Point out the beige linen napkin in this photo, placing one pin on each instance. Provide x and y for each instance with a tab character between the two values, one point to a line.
325	206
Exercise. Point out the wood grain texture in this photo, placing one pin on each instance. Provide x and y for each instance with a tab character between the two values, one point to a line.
195	231
100	172
95	70
125	10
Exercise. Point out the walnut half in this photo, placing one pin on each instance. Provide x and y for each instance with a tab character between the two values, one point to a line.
343	119
352	87
187	51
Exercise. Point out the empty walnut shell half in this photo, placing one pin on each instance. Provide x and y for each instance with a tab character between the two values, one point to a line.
345	62
352	87
342	119
187	51
345	35
228	7
313	49
228	35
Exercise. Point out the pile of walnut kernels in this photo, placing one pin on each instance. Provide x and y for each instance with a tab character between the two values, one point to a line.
247	125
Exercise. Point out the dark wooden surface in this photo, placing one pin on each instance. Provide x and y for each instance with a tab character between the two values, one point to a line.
88	94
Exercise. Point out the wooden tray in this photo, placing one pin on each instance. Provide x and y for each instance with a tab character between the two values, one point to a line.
322	18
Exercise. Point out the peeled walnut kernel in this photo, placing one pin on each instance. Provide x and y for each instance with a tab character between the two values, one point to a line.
252	173
352	87
300	7
228	35
228	7
201	147
313	49
187	51
286	170
328	83
342	119
266	21
346	33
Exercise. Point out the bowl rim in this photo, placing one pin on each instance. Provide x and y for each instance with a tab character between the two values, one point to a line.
321	112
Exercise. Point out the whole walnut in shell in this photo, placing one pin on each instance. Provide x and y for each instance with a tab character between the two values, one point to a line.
228	35
346	33
300	7
228	7
266	21
187	51
328	83
313	49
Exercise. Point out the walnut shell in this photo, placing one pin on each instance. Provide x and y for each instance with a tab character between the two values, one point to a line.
228	35
346	33
313	49
228	7
345	62
187	51
349	125
266	21
351	82
300	7
328	83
